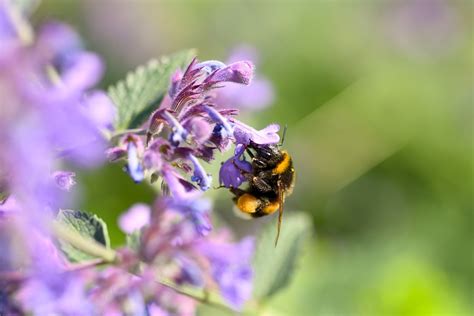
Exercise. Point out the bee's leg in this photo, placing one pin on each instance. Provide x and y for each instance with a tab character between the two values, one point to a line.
260	183
257	181
237	191
259	163
249	152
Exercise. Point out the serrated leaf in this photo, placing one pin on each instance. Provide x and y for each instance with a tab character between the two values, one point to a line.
274	266
86	224
142	89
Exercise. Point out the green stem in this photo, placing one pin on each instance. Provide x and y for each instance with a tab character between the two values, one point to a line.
107	255
205	299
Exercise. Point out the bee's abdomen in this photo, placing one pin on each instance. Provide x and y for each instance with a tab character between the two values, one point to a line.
284	165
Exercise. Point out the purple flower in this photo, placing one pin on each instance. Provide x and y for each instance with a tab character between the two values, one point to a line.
61	294
175	223
9	206
221	123
134	166
189	127
100	109
178	133
179	187
244	134
210	66
47	117
200	176
238	72
77	70
232	172
199	128
189	271
117	292
175	237
231	269
115	153
135	218
197	211
64	179
256	96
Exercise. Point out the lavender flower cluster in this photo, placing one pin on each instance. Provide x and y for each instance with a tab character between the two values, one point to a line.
51	115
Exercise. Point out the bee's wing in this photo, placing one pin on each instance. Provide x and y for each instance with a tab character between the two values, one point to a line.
281	198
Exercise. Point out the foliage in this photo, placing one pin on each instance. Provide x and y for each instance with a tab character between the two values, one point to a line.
274	266
86	224
143	88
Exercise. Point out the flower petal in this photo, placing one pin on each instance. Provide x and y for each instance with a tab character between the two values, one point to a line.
244	134
135	218
64	179
238	72
200	176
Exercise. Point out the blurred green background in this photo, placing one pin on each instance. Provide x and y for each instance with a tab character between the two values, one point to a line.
378	99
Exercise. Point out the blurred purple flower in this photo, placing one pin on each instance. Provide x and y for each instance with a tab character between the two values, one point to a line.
100	109
42	86
423	27
257	95
197	211
134	218
231	269
174	223
47	117
10	206
64	179
176	236
189	271
117	292
60	294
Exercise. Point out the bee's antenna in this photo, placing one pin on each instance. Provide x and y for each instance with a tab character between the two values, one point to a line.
283	136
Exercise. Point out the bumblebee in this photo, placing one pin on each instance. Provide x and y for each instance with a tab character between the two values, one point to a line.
270	182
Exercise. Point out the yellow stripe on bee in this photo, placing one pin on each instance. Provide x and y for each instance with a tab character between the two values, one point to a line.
271	207
248	203
283	165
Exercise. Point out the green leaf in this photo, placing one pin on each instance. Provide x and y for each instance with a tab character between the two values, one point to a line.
86	224
274	266
143	89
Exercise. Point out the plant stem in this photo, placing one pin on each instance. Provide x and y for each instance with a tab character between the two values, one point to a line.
201	298
107	255
87	245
